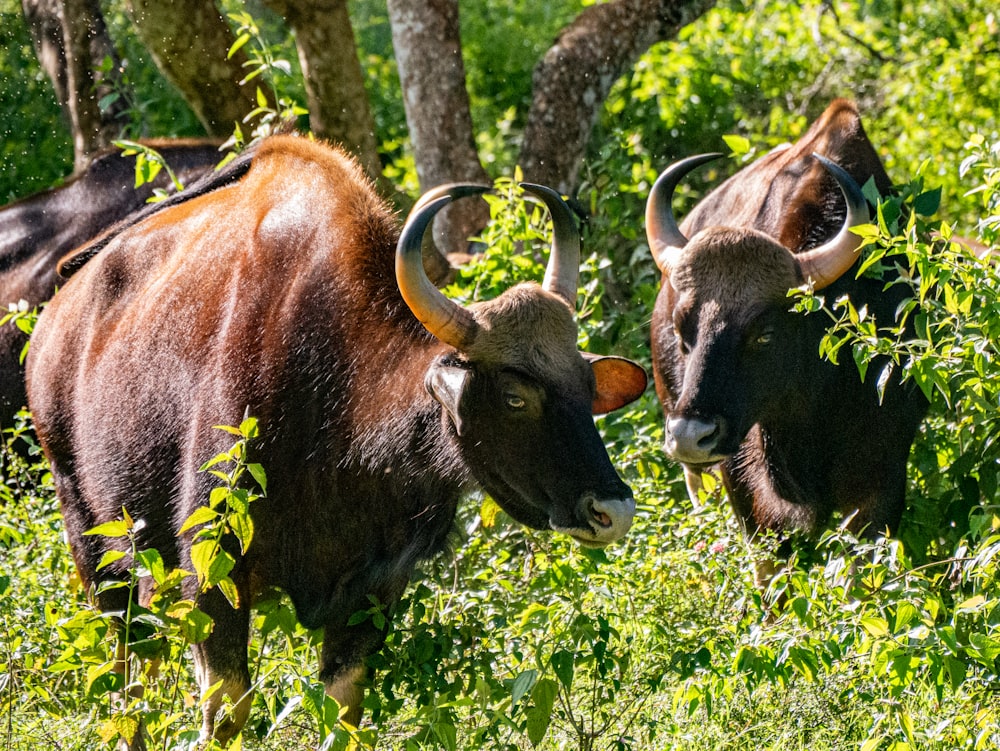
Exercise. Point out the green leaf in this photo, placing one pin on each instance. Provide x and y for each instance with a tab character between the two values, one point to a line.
105	102
522	685
129	148
488	512
242	526
96	671
201	515
927	203
446	734
543	697
195	624
257	472
241	40
124	725
203	555
249	427
228	588
875	626
220	567
988	648
119	528
152	562
109	557
956	669
358	616
563	664
737	144
971	605
225	456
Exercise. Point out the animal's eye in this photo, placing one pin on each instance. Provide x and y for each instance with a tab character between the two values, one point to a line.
515	402
765	338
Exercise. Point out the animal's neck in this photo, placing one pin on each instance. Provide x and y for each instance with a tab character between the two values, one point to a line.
400	429
794	460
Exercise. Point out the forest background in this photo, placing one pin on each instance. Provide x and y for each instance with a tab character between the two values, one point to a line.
522	640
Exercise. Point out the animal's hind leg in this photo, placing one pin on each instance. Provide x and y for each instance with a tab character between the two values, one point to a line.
133	689
221	668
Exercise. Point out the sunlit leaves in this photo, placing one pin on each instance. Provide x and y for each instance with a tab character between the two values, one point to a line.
227	512
148	163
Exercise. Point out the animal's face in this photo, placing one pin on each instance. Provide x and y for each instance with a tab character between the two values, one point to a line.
521	405
725	347
518	393
725	350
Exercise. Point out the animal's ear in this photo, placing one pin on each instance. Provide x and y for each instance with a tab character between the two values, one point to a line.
446	382
619	381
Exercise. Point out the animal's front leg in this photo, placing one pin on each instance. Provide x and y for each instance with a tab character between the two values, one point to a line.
345	649
348	690
342	667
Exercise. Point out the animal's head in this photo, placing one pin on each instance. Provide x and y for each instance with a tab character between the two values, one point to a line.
517	393
727	352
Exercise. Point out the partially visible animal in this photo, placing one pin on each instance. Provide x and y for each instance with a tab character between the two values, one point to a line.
36	231
293	296
742	384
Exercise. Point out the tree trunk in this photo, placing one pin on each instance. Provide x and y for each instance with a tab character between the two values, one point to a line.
572	81
339	109
190	41
71	42
425	36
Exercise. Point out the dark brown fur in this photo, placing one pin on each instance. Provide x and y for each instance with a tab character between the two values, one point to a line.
798	438
35	232
275	295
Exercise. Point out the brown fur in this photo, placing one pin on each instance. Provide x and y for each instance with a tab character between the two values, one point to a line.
36	231
271	291
740	378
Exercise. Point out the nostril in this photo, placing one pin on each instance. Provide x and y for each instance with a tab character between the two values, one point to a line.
609	513
709	439
601	517
695	439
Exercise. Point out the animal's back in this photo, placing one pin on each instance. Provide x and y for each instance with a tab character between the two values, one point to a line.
233	302
37	230
789	195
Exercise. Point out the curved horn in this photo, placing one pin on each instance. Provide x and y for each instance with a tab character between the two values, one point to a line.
562	274
455	190
828	262
444	318
662	232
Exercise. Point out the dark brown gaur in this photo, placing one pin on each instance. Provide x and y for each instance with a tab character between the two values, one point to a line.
742	384
36	231
291	294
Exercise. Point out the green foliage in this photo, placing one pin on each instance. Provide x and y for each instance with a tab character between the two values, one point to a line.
985	159
227	514
515	245
266	66
155	107
950	356
35	148
148	164
18	314
523	640
921	72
